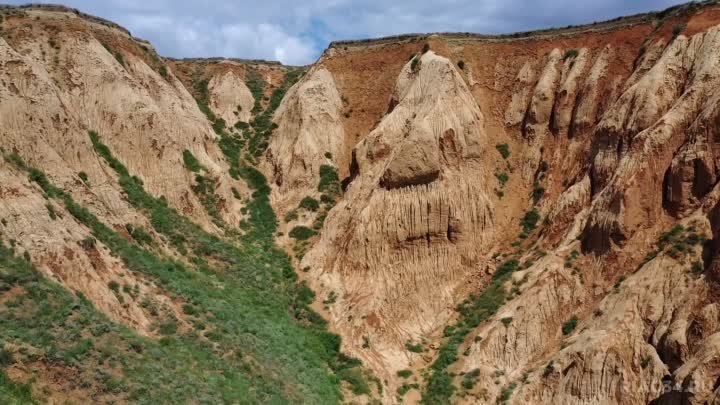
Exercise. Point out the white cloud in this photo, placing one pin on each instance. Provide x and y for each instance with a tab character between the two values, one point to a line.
296	32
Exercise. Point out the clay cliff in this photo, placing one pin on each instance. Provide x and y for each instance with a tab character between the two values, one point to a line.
421	219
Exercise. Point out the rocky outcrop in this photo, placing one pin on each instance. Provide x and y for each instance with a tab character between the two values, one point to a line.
50	98
409	219
640	139
309	134
230	98
584	160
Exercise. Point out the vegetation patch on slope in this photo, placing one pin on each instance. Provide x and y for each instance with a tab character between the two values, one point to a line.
274	350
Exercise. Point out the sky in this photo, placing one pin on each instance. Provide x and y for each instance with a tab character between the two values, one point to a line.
296	32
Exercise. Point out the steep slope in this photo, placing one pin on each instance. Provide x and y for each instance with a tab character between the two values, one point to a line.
596	141
137	262
529	218
409	209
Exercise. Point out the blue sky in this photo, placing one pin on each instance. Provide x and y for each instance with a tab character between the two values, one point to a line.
296	32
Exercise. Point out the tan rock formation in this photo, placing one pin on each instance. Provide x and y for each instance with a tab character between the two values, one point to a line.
586	158
230	98
402	233
309	134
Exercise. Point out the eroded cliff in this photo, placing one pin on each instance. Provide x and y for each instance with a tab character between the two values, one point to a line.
518	219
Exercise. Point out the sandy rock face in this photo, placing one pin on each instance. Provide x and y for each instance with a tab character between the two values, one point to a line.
230	98
148	121
585	158
410	217
309	134
638	144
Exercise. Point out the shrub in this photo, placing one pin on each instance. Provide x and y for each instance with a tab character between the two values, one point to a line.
537	193
366	342
571	53
168	328
291	216
461	64
84	177
88	243
301	233
506	393
309	204
415	65
139	234
506	321
6	358
328	155
413	347
404	373
51	211
191	163
530	220
502	178
569	325
697	267
470	379
331	298
504	150
425	48
678	29
163	71
645	362
113	285
549	368
329	180
403	389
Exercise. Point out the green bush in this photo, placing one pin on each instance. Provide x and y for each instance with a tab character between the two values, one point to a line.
291	215
412	347
502	178
504	150
51	211
415	65
310	204
404	373
405	387
329	180
191	163
569	326
425	48
697	267
549	368
530	220
139	234
506	393
114	286
571	54
15	393
470	379
537	193
678	29
6	358
84	177
301	233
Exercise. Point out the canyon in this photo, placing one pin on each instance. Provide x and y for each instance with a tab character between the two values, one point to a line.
446	218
